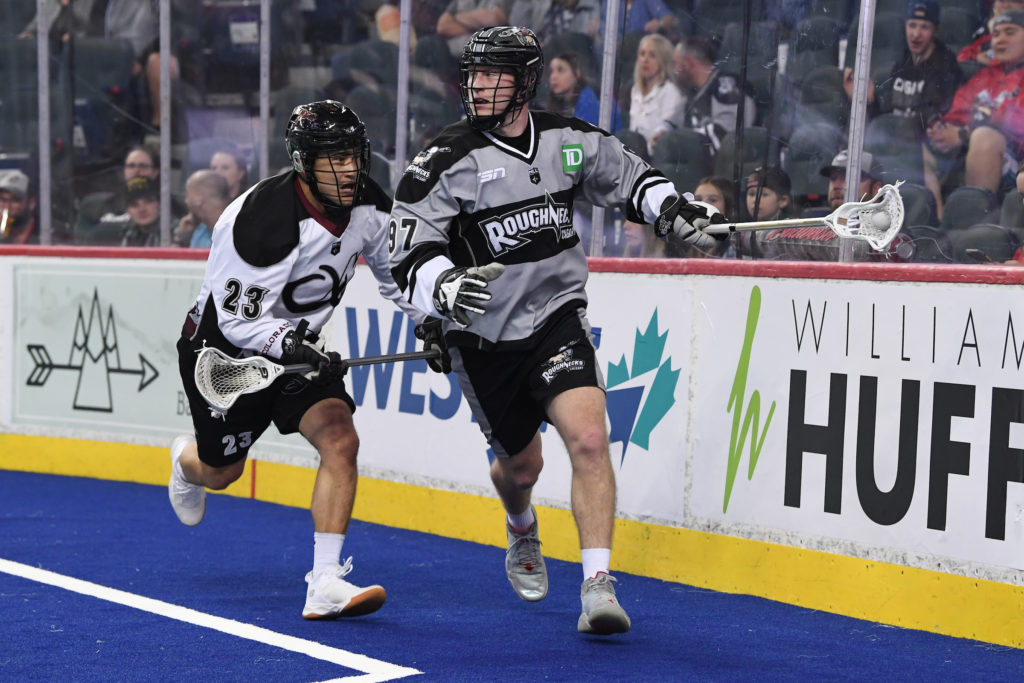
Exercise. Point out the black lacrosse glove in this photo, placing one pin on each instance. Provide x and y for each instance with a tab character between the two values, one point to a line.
328	366
461	291
430	332
687	220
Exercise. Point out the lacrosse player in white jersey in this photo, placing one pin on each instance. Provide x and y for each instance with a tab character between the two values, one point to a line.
282	255
481	235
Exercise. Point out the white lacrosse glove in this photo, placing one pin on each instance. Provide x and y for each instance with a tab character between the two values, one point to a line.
687	220
460	291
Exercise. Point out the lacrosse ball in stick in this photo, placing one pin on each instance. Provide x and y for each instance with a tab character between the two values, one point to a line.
881	220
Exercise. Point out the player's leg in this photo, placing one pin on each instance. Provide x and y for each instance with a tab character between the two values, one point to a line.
578	415
327	425
214	455
984	164
514	478
493	384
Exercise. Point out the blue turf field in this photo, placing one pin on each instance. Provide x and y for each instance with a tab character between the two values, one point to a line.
450	613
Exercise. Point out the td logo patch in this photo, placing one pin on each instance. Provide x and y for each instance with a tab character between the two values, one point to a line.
572	158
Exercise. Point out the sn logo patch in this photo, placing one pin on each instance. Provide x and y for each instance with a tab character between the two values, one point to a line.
572	158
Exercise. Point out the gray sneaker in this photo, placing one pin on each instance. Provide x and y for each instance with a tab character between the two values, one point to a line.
602	614
525	565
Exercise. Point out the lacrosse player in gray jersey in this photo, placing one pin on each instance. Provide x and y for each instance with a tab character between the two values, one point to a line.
481	237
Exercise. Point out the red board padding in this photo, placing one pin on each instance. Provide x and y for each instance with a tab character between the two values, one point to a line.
900	272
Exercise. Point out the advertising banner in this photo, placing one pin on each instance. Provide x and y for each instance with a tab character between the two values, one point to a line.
864	414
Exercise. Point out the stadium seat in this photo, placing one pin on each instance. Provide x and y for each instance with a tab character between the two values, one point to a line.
887	43
985	243
839	10
811	148
758	150
636	142
1011	214
918	205
377	60
822	97
684	157
895	142
966	206
957	26
931	244
814	42
377	110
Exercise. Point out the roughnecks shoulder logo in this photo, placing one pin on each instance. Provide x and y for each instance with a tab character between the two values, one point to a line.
508	231
645	389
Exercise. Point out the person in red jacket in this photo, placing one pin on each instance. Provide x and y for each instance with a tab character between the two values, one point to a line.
986	121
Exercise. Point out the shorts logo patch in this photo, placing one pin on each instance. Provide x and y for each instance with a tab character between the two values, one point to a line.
563	361
572	158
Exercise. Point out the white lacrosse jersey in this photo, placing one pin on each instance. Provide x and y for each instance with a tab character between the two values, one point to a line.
473	198
276	260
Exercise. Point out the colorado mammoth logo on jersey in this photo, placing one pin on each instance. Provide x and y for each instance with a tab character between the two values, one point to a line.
511	230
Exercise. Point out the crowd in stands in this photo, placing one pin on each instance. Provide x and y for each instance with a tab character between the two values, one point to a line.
944	106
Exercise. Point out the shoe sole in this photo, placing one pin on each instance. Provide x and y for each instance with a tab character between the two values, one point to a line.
603	623
367	602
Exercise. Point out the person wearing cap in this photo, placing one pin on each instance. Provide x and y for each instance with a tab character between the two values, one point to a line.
980	48
985	125
769	194
871	178
142	204
921	83
17	209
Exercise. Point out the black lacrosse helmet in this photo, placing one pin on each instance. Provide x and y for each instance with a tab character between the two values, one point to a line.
508	49
326	128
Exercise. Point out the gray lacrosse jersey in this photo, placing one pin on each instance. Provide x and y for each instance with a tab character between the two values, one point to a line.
276	260
473	198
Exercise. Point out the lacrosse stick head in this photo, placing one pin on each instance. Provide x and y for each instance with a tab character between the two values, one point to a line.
221	379
875	221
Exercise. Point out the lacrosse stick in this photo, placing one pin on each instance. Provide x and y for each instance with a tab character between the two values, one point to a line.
221	379
875	221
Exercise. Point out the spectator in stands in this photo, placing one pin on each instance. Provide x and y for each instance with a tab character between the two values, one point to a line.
769	194
656	105
871	178
719	192
17	209
232	166
647	16
142	160
550	18
986	121
921	85
641	242
712	96
206	196
462	17
980	48
821	244
142	229
568	92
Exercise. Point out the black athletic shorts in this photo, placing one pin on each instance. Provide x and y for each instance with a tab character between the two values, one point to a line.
509	391
223	442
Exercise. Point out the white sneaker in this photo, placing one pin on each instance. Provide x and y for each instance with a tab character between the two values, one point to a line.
187	499
330	596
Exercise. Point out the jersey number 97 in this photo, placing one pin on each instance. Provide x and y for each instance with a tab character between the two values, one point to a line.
401	234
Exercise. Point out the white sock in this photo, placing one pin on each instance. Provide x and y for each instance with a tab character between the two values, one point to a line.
522	522
326	549
595	560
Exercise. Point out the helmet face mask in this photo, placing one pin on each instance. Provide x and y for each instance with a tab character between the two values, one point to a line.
499	72
328	148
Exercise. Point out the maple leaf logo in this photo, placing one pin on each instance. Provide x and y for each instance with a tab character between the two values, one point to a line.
644	389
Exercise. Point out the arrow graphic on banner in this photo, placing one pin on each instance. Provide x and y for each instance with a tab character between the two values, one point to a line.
95	356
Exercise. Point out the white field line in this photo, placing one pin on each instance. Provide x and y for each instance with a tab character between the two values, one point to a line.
373	670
